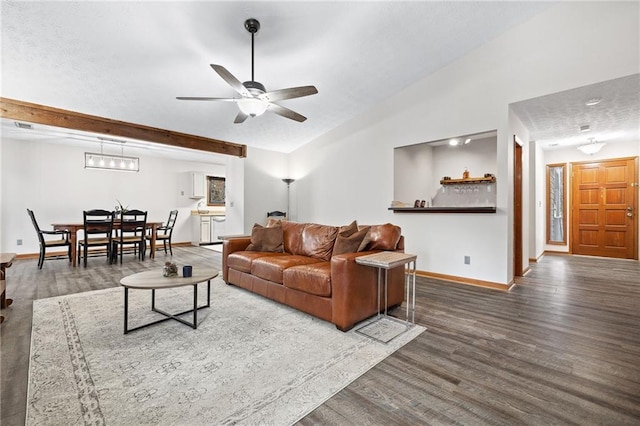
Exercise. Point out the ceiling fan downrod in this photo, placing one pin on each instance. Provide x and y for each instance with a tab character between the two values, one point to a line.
252	25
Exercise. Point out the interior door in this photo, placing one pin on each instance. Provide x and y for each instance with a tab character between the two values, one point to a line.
604	219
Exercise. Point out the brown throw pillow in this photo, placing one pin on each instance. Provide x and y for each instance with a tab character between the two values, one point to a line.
266	239
349	243
349	229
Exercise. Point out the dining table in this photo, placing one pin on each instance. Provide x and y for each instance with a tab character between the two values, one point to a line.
74	227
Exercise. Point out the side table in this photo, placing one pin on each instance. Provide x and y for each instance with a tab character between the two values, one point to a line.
386	260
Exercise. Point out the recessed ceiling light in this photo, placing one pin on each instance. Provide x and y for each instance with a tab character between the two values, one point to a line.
585	128
593	101
453	142
467	141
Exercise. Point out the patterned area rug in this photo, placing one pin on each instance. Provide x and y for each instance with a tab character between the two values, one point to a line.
250	361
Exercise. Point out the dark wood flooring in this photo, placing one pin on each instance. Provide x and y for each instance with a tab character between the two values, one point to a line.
562	347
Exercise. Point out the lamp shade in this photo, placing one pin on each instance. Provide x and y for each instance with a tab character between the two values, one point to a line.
591	148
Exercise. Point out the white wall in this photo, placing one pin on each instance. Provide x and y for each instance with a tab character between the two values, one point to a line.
348	173
51	180
266	192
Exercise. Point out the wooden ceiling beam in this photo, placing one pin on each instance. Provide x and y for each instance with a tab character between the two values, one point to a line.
41	114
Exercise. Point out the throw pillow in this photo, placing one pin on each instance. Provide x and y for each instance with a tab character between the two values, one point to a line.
266	239
349	243
349	229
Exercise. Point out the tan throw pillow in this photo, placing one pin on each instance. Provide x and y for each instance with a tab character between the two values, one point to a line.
266	239
349	243
271	222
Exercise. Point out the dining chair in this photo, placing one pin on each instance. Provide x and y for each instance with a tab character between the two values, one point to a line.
62	240
164	232
98	227
277	214
130	233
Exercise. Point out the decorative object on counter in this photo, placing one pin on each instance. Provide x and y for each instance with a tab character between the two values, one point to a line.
465	174
489	175
416	204
422	204
169	269
395	203
120	208
446	178
187	271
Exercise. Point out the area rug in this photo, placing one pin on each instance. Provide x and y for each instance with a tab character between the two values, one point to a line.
250	361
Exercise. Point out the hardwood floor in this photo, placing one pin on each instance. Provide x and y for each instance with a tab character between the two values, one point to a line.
562	347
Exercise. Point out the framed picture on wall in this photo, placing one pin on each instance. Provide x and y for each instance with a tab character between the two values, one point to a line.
216	191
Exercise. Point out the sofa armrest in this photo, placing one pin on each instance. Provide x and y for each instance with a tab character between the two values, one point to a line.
231	245
354	289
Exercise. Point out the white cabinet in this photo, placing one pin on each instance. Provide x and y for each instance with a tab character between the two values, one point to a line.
200	230
197	182
206	229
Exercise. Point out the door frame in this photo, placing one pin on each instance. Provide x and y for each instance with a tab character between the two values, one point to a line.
518	267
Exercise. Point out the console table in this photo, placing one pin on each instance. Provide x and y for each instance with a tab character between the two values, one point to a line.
386	260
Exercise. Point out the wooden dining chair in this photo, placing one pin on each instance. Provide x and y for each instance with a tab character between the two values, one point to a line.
165	231
98	227
130	233
46	241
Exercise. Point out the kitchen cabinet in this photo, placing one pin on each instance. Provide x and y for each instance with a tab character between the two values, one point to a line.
206	229
197	183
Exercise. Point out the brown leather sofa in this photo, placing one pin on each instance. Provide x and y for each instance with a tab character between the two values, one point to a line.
306	275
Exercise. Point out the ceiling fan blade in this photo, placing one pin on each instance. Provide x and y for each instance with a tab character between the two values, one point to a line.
196	98
231	80
286	112
240	117
290	93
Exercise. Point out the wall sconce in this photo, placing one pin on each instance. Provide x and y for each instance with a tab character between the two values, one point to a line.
122	163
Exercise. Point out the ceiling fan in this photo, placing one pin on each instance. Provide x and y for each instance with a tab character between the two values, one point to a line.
255	99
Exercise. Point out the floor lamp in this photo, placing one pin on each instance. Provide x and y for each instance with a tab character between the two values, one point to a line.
288	181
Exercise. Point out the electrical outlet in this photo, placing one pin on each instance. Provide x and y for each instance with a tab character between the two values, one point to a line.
467	260
19	242
182	193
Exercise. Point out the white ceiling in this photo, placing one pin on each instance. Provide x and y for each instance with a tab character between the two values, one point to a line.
554	120
129	60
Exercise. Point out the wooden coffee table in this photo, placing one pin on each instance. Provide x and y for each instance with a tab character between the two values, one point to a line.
154	280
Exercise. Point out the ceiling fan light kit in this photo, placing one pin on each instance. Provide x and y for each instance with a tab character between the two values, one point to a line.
255	99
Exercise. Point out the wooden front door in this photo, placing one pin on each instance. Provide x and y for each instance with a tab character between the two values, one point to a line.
604	208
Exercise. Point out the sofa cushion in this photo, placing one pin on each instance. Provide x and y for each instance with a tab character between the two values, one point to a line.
349	243
292	236
266	239
271	268
383	237
314	278
241	260
318	240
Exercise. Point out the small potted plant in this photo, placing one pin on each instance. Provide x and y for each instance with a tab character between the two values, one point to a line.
120	208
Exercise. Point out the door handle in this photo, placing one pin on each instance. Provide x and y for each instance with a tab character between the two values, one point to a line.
629	211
